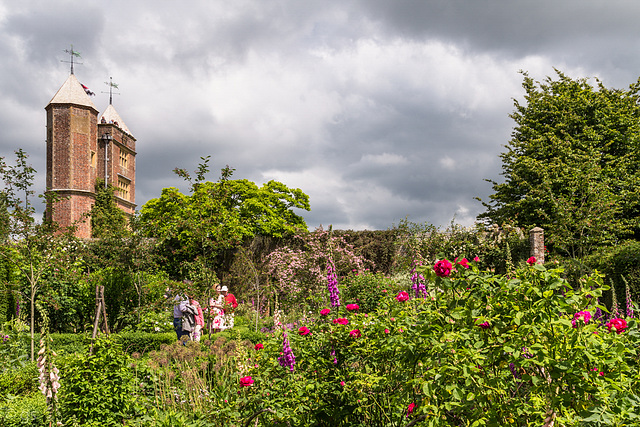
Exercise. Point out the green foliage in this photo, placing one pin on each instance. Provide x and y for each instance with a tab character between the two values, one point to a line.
367	289
619	264
217	217
143	342
23	411
96	389
19	381
377	247
571	165
107	219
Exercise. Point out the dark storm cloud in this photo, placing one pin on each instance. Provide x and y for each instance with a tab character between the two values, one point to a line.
379	110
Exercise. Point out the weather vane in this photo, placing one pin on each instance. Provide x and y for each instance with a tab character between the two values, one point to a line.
72	53
111	85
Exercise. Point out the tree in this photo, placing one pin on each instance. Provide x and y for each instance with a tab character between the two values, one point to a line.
571	166
194	232
107	219
30	246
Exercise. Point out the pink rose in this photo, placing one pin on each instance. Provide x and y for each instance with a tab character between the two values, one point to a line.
304	331
355	333
585	316
324	312
246	381
386	331
617	324
352	307
463	262
342	383
476	259
531	260
341	321
443	268
259	346
402	296
484	325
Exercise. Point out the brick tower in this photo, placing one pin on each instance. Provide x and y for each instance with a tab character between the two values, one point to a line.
80	150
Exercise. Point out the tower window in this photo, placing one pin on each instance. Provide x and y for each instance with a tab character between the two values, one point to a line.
94	160
123	188
124	159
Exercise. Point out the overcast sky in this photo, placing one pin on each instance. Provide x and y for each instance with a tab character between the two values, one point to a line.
379	110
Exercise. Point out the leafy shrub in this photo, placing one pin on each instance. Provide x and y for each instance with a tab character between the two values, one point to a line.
366	289
97	389
23	411
144	342
619	264
19	381
63	344
152	322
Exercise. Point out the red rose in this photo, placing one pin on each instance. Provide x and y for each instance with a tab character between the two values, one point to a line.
532	260
402	296
617	324
324	312
463	262
341	321
411	407
246	381
355	333
352	307
443	268
304	331
259	346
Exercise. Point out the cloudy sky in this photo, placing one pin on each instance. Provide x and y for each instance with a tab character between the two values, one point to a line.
379	110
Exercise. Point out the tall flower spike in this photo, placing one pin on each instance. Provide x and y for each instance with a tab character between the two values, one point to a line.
332	284
615	311
287	360
417	281
629	303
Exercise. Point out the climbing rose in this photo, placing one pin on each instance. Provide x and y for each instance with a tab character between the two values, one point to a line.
355	333
443	268
341	321
352	307
259	346
246	381
402	296
617	324
324	312
531	260
304	331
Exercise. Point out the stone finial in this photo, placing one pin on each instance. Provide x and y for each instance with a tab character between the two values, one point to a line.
536	243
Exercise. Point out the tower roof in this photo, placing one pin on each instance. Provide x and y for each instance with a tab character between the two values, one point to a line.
110	115
71	92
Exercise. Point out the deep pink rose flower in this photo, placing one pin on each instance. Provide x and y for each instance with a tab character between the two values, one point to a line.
532	260
341	321
324	312
402	296
304	331
484	325
410	408
342	383
246	381
259	346
617	324
443	268
352	307
585	316
476	259
463	262
386	331
355	333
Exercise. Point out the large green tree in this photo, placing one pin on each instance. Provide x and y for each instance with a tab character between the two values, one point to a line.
194	232
571	166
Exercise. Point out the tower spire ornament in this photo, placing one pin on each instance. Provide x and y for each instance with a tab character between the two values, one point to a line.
72	53
111	85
